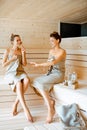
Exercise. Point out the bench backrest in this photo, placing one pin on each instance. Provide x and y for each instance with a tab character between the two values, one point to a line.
76	61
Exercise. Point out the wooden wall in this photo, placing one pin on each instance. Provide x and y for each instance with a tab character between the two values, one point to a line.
76	56
35	34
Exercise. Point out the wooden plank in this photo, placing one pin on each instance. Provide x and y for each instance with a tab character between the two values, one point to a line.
76	63
75	43
34	102
81	71
11	98
31	51
36	55
6	93
9	92
76	51
36	60
76	57
30	59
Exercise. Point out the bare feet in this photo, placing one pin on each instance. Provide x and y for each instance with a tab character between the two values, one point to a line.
51	112
28	115
14	111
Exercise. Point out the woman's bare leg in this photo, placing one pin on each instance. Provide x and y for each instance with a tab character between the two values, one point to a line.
26	82
20	95
14	111
50	105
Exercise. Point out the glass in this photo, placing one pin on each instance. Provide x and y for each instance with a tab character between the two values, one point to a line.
72	77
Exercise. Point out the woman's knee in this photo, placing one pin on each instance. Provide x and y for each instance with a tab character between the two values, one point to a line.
19	83
18	86
26	80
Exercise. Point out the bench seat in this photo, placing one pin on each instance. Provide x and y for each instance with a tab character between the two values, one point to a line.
69	95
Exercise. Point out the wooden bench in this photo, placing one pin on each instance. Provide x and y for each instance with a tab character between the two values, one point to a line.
76	60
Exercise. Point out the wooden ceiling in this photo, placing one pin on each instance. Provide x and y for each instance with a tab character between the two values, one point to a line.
74	11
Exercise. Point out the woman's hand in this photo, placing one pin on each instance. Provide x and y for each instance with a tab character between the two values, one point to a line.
34	64
23	50
14	57
7	62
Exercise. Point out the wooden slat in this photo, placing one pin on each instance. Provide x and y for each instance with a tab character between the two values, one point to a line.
11	98
81	71
9	92
75	43
36	55
76	63
31	51
34	102
76	57
76	51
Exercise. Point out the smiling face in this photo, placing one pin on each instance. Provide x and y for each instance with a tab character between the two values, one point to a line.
53	42
17	42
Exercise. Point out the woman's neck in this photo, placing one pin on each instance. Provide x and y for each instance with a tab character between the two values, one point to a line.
56	47
15	48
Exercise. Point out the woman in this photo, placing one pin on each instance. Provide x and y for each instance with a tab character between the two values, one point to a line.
56	63
14	59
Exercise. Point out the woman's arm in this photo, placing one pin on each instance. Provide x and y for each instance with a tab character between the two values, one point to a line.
23	51
5	61
59	57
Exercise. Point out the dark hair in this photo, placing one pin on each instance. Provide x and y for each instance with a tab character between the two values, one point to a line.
56	36
13	37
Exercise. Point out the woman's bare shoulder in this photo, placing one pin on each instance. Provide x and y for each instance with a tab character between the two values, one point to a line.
7	50
50	51
63	53
63	50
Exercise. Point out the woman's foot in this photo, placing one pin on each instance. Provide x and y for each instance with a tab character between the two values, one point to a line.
50	117
51	112
14	111
28	115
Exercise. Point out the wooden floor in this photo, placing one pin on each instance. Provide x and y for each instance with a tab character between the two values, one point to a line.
19	122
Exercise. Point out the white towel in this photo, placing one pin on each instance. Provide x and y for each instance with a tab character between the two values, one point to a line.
71	116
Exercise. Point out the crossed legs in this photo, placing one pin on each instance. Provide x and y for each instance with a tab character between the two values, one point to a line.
21	88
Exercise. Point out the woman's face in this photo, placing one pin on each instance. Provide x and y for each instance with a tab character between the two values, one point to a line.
53	42
17	42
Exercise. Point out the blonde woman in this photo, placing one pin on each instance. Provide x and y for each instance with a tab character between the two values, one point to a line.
14	59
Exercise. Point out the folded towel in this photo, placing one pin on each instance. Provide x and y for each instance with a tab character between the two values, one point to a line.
71	116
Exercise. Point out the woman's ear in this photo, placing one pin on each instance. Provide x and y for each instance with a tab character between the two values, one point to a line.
58	40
